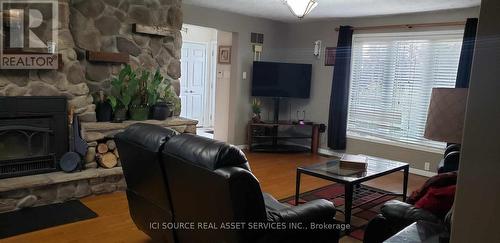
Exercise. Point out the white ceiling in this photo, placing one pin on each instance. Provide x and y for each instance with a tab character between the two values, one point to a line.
275	9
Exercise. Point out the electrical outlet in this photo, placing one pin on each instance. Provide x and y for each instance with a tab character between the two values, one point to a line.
427	166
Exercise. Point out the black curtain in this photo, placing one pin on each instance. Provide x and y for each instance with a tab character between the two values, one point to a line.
339	100
464	67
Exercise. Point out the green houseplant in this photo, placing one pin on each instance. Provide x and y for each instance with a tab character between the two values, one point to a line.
163	107
146	96
256	109
123	89
169	96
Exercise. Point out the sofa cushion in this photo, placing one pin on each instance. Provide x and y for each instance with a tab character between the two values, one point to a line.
204	152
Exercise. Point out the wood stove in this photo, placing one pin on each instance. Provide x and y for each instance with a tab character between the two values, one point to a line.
33	134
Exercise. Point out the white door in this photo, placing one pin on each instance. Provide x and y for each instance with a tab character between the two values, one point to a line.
194	75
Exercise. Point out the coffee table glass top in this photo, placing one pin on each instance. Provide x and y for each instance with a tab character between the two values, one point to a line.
331	169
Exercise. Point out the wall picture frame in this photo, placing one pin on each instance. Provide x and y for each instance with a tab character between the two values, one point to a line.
224	56
330	53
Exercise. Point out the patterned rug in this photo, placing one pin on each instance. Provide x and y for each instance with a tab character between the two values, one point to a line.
366	204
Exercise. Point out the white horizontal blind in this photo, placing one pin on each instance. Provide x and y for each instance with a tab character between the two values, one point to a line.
392	76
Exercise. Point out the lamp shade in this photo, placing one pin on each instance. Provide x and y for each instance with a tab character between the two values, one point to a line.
301	8
445	120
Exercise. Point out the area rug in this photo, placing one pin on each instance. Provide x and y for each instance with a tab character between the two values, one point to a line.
361	215
37	218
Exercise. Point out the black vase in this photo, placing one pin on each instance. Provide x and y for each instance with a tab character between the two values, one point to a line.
104	112
161	111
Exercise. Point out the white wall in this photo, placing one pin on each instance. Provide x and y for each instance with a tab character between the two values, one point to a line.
477	201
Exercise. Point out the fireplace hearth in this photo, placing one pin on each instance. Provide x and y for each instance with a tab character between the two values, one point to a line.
33	134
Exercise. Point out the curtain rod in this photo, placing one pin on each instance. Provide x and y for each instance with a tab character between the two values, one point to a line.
409	26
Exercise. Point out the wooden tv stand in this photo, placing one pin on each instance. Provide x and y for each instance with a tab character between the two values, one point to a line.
280	137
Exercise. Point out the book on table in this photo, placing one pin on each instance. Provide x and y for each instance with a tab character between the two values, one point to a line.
357	162
348	165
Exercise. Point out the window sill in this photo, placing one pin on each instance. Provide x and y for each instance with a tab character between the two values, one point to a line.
397	144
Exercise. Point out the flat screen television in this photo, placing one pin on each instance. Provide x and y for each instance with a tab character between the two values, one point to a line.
274	79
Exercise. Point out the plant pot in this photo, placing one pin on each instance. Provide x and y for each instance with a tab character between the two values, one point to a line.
139	113
104	112
120	115
160	111
256	118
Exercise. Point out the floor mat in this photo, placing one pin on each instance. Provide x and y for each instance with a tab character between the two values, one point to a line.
367	198
37	218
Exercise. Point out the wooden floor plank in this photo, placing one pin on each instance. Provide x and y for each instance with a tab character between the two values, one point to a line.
275	172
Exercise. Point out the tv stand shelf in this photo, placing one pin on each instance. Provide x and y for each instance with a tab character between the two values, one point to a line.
282	137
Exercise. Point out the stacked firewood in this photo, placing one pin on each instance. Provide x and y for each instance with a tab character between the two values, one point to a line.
105	154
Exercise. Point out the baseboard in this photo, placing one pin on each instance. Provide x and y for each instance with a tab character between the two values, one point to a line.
330	152
242	147
414	171
422	172
339	154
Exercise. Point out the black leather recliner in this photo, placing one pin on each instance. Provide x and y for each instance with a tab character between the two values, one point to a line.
147	191
451	159
209	183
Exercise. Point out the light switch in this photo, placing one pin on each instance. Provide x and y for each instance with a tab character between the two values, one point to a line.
220	74
244	75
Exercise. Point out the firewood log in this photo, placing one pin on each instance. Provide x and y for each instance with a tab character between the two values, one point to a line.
102	148
107	160
111	144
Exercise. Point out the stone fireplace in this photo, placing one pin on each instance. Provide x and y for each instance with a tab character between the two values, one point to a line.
43	135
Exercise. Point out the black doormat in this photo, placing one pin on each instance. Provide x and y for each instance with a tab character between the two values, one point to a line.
31	219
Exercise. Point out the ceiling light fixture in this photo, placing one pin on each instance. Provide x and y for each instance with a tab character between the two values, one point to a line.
301	8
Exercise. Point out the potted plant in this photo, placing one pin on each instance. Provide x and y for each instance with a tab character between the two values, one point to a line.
173	101
163	107
256	109
103	108
123	89
139	108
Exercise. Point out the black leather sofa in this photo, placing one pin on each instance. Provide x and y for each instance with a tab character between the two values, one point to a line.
396	215
175	179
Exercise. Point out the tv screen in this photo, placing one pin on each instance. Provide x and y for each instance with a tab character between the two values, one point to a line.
273	79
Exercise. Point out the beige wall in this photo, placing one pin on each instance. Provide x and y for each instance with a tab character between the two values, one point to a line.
241	26
300	49
294	43
477	201
222	91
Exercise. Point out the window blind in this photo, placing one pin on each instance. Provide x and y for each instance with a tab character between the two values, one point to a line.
392	77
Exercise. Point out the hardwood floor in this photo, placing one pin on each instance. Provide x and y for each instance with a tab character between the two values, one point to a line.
276	173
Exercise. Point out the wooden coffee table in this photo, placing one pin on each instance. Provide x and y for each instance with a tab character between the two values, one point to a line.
377	167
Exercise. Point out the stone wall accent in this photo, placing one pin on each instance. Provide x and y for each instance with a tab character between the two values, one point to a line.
100	25
96	132
69	82
44	189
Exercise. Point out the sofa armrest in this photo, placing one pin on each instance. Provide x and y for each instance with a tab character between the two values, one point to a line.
399	211
318	211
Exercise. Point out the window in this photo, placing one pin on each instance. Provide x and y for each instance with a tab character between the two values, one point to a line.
392	76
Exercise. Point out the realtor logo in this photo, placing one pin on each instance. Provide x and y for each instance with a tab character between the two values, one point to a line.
28	34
